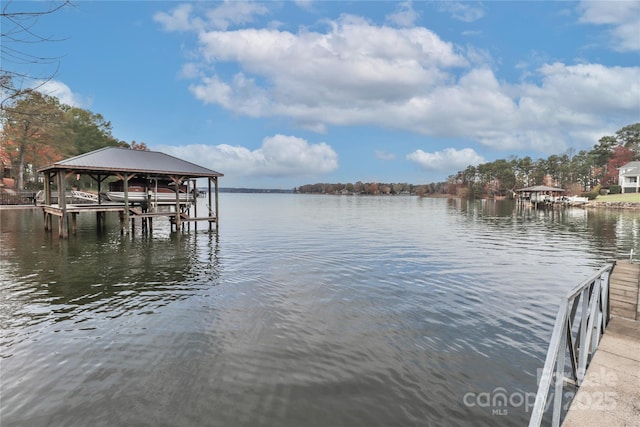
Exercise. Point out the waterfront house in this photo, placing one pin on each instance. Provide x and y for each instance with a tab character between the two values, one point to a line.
629	177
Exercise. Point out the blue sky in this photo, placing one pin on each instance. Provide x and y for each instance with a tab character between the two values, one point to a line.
283	93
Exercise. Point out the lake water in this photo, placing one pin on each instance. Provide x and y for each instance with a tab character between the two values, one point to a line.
302	311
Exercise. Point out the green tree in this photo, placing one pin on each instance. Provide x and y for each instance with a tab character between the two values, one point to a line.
601	154
581	169
629	137
89	131
469	175
524	169
505	178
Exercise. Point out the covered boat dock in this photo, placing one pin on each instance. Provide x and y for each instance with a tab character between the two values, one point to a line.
542	196
128	166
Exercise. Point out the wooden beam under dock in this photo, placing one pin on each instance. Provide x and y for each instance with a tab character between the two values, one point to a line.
72	210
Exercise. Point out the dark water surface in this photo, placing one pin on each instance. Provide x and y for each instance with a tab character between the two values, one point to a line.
301	311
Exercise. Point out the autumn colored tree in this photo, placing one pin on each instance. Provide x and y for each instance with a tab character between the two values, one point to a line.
138	146
621	156
33	133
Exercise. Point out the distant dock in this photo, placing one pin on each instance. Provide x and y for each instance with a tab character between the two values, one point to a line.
542	197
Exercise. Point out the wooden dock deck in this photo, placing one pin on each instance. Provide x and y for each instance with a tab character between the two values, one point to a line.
624	293
127	213
610	394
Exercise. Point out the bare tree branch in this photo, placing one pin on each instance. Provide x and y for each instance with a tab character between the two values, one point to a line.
17	33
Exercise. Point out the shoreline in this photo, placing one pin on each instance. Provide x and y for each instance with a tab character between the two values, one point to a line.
612	205
593	204
18	207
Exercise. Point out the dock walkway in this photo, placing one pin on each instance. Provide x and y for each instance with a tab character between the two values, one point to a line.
610	393
625	287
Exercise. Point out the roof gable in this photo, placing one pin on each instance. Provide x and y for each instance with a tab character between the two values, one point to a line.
631	168
114	159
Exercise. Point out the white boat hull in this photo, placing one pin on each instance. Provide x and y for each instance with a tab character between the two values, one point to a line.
157	198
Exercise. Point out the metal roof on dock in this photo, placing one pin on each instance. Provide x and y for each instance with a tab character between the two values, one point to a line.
540	188
115	159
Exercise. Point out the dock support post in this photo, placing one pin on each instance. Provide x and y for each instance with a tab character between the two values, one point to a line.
177	182
195	203
125	220
63	228
74	223
100	219
217	211
47	201
209	205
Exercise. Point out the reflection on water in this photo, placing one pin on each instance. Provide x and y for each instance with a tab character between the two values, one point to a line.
302	310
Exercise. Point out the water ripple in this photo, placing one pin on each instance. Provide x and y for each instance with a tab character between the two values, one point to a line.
319	311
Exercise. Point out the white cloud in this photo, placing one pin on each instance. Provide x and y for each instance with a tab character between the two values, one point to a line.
588	88
344	76
234	13
448	159
279	156
383	155
60	91
404	16
305	4
621	17
225	15
179	19
466	12
191	70
357	73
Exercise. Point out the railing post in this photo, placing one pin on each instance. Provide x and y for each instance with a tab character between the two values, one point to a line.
606	281
549	367
582	354
594	302
593	319
559	377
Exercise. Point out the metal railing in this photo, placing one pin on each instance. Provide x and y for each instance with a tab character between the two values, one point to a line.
84	195
17	197
587	304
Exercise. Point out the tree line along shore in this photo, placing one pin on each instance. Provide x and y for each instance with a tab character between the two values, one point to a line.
587	173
